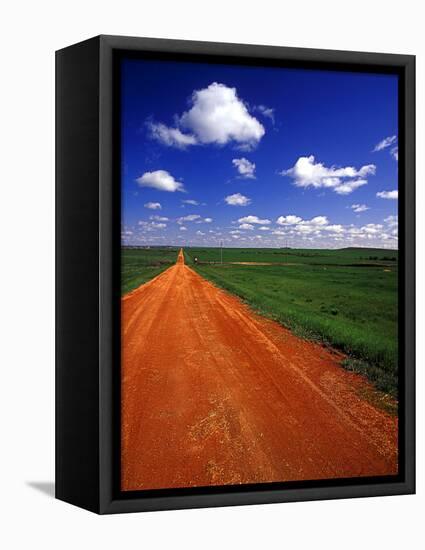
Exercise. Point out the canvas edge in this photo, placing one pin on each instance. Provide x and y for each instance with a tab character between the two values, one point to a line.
107	503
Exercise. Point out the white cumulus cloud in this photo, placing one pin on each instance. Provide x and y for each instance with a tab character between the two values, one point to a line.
359	208
254	219
245	168
334	228
343	180
152	225
288	220
160	180
319	232
388	194
318	220
153	205
372	228
216	116
296	225
349	186
237	199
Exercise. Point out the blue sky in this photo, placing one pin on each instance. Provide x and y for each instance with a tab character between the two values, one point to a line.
256	156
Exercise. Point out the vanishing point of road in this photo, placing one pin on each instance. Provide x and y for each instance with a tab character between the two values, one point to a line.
213	394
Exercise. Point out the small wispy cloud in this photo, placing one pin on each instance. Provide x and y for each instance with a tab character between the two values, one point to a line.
359	208
245	168
173	137
266	111
153	205
237	199
189	218
394	152
386	142
152	225
254	219
388	194
191	202
390	141
193	218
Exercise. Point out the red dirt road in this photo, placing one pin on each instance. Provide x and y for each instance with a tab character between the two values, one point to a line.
214	394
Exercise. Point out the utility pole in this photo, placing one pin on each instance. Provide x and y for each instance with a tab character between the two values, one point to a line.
221	252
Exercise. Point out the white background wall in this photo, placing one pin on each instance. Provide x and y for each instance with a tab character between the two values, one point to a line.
30	31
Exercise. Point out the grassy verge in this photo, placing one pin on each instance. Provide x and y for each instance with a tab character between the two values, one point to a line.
381	378
139	266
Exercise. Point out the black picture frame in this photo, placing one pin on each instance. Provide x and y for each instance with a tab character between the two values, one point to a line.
87	274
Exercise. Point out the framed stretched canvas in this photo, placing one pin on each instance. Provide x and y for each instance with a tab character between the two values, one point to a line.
235	274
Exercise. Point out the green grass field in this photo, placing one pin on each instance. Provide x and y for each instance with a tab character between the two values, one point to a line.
139	265
344	298
347	256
